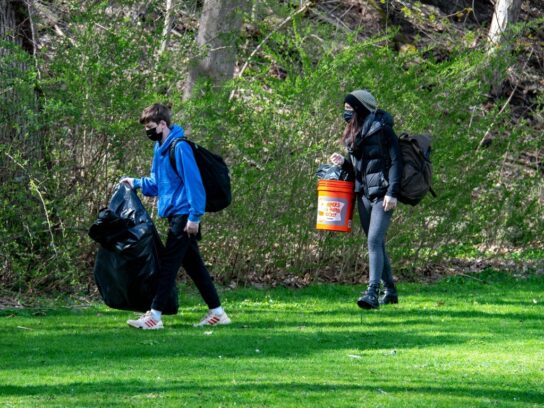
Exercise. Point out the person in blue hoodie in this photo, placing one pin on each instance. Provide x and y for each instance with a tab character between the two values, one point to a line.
181	199
374	157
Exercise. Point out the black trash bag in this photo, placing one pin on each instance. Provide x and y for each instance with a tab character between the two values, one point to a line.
333	172
127	263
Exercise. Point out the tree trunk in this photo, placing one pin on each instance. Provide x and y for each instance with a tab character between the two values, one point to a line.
506	12
219	28
168	21
15	28
17	96
8	33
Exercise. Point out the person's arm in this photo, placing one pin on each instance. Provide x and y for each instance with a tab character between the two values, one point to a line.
147	184
395	171
190	174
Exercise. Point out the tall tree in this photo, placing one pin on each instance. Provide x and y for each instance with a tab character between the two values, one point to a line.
8	34
506	13
168	21
218	31
16	96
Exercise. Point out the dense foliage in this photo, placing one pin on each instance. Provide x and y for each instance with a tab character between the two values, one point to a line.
80	98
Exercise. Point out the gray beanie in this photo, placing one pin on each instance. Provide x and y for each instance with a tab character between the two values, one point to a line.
366	99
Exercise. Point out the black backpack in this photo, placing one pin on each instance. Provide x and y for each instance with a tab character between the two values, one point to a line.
214	173
418	170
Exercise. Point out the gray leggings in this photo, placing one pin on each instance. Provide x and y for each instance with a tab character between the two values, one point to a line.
375	222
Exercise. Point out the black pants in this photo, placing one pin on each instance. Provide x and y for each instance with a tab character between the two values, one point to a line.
182	250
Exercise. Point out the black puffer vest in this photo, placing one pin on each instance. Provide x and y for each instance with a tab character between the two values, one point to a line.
371	159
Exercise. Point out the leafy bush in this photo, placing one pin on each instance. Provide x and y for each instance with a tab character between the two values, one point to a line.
274	126
276	135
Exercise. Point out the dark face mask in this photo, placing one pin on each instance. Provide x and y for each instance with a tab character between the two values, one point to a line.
153	135
348	115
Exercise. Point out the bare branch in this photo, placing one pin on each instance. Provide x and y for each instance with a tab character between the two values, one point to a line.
256	50
486	135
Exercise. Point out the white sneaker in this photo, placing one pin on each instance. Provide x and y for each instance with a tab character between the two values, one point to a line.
146	322
213	319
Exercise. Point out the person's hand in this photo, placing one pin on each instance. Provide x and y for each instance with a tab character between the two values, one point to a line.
337	159
191	228
389	203
127	180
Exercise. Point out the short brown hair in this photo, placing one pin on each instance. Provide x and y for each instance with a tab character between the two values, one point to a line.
155	113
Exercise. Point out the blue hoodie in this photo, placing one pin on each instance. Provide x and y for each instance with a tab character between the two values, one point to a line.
178	195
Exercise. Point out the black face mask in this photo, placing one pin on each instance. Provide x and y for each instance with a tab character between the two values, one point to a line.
348	115
153	135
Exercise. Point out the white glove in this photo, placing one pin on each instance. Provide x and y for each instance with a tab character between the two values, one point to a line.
127	180
191	228
389	203
337	159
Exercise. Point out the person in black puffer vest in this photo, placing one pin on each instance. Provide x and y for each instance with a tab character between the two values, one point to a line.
374	155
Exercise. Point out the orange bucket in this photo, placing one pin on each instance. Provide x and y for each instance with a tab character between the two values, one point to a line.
334	205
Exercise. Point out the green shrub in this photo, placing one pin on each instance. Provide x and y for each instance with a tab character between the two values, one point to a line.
274	130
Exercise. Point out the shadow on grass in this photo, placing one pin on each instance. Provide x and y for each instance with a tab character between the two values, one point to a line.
118	389
351	311
79	348
81	340
84	337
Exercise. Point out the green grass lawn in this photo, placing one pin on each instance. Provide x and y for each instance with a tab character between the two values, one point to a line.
462	342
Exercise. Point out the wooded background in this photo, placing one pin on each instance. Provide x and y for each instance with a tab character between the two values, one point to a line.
262	82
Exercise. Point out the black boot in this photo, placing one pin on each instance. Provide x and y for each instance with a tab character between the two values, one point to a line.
390	296
369	298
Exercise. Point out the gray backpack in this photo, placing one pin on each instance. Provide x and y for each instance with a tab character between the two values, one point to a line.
418	170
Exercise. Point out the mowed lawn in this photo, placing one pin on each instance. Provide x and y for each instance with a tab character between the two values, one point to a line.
462	342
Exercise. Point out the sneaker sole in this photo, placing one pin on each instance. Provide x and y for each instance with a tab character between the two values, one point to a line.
366	306
141	328
394	302
211	325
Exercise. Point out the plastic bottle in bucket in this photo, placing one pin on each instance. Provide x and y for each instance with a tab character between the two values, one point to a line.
334	205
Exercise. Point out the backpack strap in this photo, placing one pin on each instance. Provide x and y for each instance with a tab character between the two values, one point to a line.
385	145
172	153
